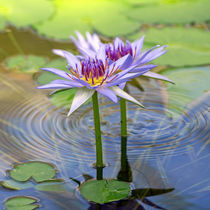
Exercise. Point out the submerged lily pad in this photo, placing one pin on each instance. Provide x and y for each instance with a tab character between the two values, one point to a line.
53	185
39	171
21	203
105	191
186	46
56	185
26	64
15	185
191	83
104	16
24	12
170	11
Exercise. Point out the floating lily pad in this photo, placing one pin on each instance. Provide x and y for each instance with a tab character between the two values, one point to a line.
26	64
21	203
186	46
170	11
190	83
15	185
24	12
105	16
39	171
109	18
105	191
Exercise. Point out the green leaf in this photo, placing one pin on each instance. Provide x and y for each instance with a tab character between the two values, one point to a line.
26	64
170	11
39	171
105	191
15	185
107	17
21	203
24	12
190	84
186	46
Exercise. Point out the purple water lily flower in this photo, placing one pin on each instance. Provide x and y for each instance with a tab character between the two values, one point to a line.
89	48
95	74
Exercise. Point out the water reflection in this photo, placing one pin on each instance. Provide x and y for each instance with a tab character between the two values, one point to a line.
165	148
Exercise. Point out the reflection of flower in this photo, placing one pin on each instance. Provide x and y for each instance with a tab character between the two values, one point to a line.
89	48
95	74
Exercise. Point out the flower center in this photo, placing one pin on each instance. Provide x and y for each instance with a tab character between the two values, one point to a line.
93	71
114	53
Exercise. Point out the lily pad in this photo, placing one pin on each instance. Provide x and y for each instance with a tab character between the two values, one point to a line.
191	83
186	46
15	185
21	203
105	16
170	11
39	171
26	64
105	191
110	19
24	12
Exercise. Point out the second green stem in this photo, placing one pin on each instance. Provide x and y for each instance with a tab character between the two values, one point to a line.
123	117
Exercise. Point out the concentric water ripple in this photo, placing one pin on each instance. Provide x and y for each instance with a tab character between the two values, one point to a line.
33	126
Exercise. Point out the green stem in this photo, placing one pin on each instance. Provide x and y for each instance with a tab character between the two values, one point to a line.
99	153
124	161
123	117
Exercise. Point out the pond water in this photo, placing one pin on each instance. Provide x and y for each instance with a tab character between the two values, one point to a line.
167	144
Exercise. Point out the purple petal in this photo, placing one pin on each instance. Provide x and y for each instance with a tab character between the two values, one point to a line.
142	68
154	54
122	85
87	52
139	61
72	83
93	41
81	96
59	52
108	93
72	60
123	62
118	42
137	46
124	95
54	86
82	40
101	53
57	72
157	76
